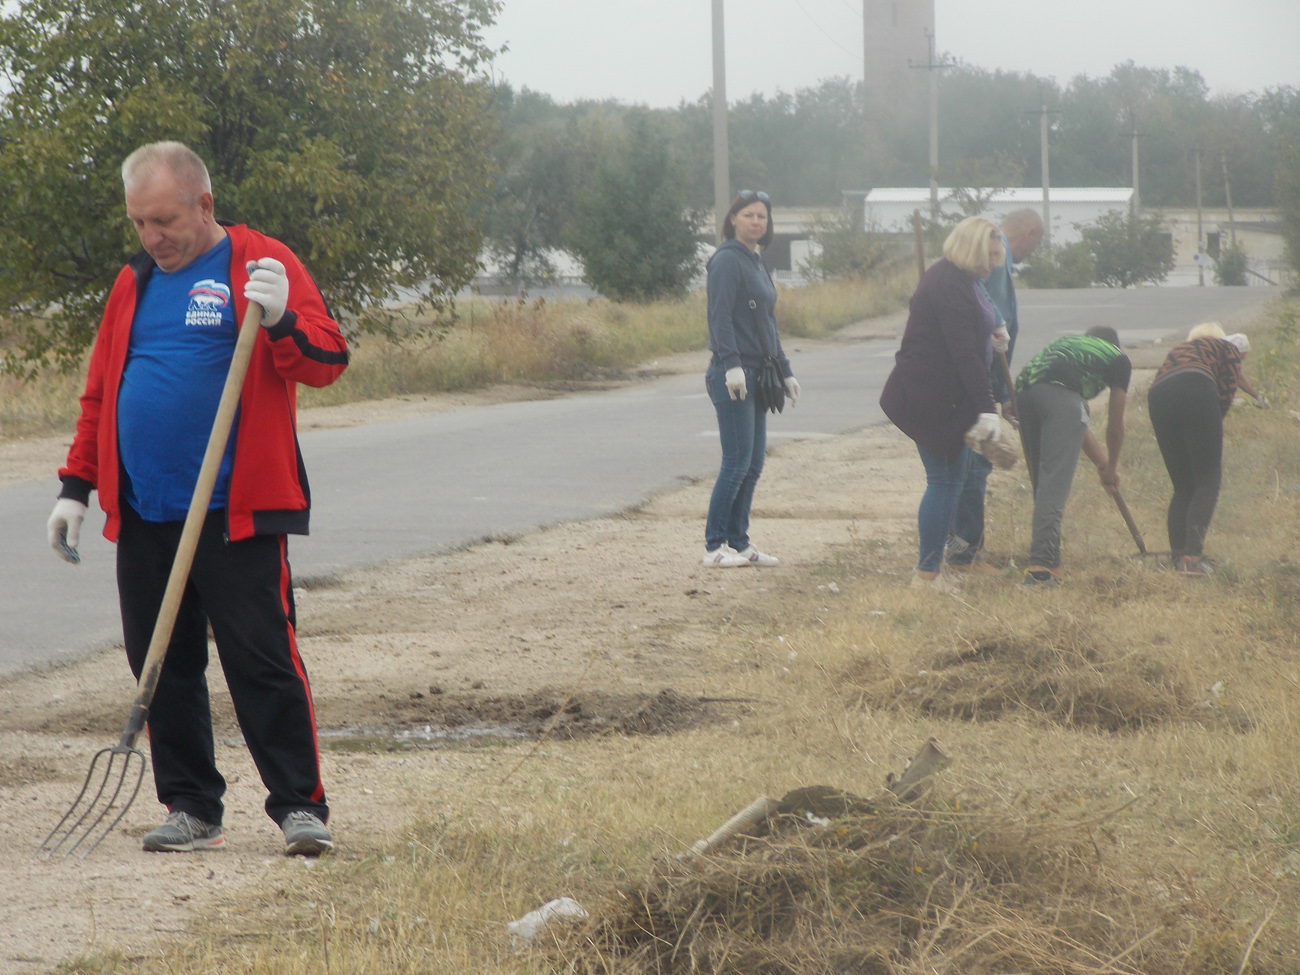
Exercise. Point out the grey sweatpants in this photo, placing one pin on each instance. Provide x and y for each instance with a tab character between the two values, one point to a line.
1053	421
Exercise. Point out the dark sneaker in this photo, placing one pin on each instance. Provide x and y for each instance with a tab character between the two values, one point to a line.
305	835
1042	578
183	833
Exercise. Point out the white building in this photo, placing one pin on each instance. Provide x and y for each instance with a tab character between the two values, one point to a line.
890	208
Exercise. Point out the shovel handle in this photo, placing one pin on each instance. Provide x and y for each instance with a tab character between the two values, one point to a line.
1006	378
180	572
1128	520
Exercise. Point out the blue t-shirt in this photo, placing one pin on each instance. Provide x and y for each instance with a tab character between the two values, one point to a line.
182	341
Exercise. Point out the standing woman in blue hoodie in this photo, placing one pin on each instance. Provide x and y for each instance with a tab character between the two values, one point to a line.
742	330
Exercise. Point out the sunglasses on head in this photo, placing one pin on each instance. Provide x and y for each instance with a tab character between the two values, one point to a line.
754	195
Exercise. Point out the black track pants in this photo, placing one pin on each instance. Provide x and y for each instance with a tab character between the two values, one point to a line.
244	590
1189	429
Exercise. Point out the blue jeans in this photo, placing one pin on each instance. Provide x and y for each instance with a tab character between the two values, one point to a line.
943	483
968	522
742	428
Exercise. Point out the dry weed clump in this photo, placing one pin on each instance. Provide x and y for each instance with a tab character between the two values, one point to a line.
892	889
1058	668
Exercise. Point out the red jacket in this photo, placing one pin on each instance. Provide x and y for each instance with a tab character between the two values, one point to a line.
269	494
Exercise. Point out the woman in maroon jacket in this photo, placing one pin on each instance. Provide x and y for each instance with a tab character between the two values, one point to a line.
939	388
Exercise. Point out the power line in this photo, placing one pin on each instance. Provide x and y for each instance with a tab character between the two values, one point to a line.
830	37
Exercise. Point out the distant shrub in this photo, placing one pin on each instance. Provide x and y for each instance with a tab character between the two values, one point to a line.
1128	249
1070	266
847	249
1230	268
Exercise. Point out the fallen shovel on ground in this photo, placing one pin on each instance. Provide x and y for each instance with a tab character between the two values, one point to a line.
116	773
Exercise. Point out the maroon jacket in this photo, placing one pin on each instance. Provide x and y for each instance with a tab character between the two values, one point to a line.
940	382
269	494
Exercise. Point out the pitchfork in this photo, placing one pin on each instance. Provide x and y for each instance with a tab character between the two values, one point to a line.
101	793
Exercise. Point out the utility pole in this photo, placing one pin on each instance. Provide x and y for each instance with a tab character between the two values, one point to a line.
1227	196
1200	226
1137	194
721	156
933	66
869	134
1043	128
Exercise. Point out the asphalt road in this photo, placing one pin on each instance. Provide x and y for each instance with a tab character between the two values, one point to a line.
432	483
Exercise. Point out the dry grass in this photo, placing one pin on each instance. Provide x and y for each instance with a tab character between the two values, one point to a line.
540	342
40	407
818	309
890	889
483	342
1124	795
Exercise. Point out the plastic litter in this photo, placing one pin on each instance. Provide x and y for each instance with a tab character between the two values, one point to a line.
524	930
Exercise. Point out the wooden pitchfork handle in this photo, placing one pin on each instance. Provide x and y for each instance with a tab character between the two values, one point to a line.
180	573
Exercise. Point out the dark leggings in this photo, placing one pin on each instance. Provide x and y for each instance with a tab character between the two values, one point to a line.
1189	429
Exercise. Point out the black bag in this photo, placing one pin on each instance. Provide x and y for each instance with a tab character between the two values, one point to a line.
769	385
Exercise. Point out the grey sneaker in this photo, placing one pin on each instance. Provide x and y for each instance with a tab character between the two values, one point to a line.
305	835
183	833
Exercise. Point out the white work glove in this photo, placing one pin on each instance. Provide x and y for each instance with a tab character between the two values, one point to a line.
792	390
985	426
268	285
1001	339
736	382
64	528
1261	401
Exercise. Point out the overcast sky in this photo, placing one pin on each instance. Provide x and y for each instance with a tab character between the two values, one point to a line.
658	52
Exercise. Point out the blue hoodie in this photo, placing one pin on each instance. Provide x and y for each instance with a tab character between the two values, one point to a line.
737	275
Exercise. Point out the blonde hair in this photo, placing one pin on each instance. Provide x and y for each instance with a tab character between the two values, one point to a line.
1206	330
968	246
177	158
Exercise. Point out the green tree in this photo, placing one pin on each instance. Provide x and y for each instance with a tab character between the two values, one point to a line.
1230	268
1129	250
1068	266
1284	113
846	249
532	198
632	226
1288	193
359	134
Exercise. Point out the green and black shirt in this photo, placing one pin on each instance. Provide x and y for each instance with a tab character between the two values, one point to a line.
1082	363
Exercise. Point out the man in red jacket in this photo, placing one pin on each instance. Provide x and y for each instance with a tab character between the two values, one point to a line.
159	363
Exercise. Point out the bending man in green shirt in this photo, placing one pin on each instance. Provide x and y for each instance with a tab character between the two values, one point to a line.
1052	394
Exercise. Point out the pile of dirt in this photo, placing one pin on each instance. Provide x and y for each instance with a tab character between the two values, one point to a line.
890	888
1060	670
435	715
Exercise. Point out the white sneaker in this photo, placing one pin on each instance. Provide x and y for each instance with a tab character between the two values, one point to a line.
754	557
943	582
724	557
